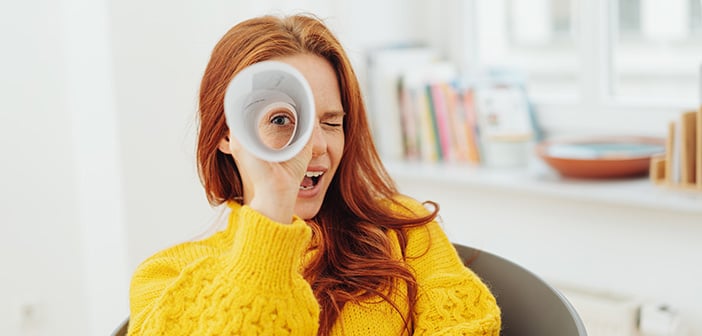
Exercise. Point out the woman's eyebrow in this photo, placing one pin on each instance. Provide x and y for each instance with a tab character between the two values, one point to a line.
333	114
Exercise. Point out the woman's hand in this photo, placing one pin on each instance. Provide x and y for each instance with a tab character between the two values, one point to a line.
271	188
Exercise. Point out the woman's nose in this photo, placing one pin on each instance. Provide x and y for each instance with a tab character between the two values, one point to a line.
319	144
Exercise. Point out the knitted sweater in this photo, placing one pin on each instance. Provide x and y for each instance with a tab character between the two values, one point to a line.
246	280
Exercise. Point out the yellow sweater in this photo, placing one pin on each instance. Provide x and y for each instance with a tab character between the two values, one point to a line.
246	280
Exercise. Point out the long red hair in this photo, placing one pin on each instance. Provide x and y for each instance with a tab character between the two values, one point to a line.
354	252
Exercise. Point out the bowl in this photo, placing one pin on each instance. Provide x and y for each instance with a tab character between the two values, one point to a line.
601	157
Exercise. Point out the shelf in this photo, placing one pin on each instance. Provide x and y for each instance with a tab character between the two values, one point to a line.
539	179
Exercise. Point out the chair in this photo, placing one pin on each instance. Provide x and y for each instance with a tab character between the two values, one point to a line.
529	305
121	330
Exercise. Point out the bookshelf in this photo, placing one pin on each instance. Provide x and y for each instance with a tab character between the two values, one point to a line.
573	231
442	119
538	180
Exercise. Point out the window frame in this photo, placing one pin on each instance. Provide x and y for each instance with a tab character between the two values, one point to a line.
595	109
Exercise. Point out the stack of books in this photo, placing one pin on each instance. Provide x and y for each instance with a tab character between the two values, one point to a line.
425	110
452	119
438	122
681	166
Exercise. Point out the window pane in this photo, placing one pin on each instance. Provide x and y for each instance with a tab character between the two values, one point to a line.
656	51
534	37
696	18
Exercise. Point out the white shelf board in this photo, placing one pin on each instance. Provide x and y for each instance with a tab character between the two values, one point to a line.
538	179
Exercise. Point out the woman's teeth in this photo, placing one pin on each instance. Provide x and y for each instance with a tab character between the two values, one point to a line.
314	174
311	179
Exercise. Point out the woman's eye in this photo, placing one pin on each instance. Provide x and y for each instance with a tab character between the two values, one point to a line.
280	120
333	122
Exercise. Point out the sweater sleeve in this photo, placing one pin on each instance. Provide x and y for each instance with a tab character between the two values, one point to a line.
452	300
248	284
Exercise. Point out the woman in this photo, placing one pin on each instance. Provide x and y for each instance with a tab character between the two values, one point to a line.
340	253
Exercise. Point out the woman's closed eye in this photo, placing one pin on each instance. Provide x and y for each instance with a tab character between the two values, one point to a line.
333	120
333	124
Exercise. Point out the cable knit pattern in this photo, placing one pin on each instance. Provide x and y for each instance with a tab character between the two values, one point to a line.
460	304
243	281
246	280
452	299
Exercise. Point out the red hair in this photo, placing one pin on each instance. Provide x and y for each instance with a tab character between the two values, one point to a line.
354	259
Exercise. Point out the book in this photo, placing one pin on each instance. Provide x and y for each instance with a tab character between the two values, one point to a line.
688	148
427	132
675	170
669	150
471	126
457	123
657	169
410	137
502	111
442	125
433	122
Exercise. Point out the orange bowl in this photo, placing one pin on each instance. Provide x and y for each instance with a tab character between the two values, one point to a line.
601	157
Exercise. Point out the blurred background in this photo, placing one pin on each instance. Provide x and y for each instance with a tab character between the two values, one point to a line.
98	122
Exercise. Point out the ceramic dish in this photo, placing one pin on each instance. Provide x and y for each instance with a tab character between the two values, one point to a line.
601	157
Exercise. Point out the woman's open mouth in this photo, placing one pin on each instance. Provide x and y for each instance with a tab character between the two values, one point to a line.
311	179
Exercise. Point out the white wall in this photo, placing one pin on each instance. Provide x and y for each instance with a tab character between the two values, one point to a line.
63	237
643	253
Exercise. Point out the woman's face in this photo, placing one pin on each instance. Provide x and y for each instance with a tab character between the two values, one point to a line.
328	135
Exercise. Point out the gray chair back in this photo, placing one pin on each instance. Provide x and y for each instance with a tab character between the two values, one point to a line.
122	328
530	306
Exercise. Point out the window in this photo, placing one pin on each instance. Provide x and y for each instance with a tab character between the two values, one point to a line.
621	59
657	49
534	37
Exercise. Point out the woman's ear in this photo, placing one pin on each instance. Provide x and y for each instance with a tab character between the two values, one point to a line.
224	145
